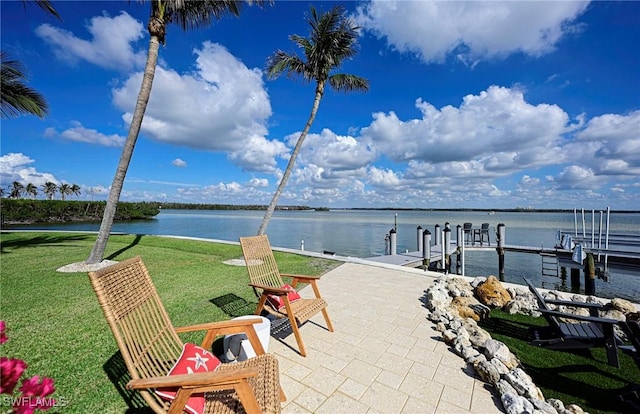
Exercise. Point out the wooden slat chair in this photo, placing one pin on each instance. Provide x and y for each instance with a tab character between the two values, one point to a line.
467	229
589	332
267	280
150	346
631	327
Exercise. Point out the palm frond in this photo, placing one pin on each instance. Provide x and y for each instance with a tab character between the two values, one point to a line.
192	14
16	97
282	62
332	39
348	83
45	5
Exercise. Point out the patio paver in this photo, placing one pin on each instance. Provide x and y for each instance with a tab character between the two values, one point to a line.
384	356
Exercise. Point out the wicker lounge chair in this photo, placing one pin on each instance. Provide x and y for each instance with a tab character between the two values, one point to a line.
588	332
150	347
267	280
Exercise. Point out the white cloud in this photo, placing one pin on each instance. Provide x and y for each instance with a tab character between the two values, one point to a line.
16	167
384	178
221	106
333	152
616	140
78	133
496	127
258	182
609	145
576	177
178	162
110	46
529	181
470	30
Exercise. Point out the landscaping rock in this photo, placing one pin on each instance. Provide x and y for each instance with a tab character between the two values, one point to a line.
623	306
493	349
492	360
522	382
492	293
459	287
463	305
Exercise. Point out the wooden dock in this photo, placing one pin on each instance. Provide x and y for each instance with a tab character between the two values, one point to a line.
414	259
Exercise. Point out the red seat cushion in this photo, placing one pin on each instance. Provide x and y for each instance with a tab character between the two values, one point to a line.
277	302
193	359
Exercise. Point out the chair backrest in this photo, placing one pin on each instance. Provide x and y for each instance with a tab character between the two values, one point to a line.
261	264
467	226
145	336
485	227
552	320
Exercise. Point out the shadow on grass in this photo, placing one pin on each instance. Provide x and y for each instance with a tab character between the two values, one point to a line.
579	376
135	241
40	240
564	379
119	376
513	329
233	305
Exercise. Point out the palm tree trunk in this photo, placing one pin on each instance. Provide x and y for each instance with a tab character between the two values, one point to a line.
292	160
97	253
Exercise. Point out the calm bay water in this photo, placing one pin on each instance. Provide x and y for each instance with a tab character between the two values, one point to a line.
361	233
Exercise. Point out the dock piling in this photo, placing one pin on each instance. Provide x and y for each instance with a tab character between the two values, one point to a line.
393	236
446	257
419	238
501	233
589	275
426	252
459	251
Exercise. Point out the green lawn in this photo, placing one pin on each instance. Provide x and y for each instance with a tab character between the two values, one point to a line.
54	322
580	377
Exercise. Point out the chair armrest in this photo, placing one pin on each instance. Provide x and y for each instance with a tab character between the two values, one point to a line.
575	304
301	277
579	317
195	380
220	326
230	327
270	290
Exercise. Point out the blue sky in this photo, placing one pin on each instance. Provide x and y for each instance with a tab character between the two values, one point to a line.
472	105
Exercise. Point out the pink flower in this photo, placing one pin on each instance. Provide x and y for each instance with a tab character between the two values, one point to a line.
32	387
10	371
3	336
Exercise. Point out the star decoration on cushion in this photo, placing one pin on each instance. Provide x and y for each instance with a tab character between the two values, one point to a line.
200	361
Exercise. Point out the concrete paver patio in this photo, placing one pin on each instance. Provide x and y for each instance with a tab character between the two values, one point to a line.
384	356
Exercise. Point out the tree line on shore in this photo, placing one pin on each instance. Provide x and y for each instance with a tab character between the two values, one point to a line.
49	189
25	211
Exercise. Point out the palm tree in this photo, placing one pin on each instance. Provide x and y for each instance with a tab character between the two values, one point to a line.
65	190
75	190
333	39
17	98
45	5
32	190
49	189
17	189
188	14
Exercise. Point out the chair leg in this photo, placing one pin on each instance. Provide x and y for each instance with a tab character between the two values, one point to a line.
294	326
327	320
611	346
247	398
296	332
